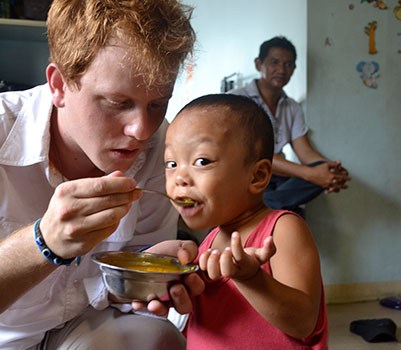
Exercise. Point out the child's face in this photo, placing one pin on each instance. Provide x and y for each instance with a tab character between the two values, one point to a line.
204	160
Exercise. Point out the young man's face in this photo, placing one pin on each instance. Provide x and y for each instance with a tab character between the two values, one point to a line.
277	68
108	121
204	159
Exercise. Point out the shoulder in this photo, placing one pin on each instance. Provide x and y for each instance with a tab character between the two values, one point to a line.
292	231
11	105
249	90
25	113
292	105
291	220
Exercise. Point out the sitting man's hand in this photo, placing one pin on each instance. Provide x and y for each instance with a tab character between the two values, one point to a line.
180	294
339	179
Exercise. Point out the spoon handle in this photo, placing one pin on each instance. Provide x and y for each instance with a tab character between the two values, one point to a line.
156	192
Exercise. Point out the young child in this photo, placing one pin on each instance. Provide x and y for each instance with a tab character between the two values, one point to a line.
259	294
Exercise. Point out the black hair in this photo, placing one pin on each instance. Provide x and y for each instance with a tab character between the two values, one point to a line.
252	119
278	41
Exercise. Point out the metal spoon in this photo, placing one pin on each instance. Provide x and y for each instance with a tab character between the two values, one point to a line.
186	202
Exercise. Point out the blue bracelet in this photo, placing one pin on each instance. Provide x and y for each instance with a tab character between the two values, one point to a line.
144	248
44	249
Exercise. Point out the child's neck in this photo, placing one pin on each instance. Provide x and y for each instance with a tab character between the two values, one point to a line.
244	225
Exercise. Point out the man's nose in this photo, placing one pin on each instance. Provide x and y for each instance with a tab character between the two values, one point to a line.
139	125
281	67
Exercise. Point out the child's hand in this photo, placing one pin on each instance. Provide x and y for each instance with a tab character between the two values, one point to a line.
236	262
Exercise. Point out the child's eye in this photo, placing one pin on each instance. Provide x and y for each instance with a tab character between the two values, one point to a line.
202	162
171	164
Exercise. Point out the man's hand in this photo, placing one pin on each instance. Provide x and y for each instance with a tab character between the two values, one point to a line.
180	294
84	212
330	175
340	177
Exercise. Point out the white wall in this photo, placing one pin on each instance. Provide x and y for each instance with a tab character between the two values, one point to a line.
357	231
229	35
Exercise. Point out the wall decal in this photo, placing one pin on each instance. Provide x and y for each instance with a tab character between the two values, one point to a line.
377	3
370	31
369	73
397	11
380	4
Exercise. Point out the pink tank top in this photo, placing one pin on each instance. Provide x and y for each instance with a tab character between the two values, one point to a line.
223	319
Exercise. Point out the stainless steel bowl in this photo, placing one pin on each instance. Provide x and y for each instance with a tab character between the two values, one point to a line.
137	275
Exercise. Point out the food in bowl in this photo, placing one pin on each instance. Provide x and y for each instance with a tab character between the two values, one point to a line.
138	275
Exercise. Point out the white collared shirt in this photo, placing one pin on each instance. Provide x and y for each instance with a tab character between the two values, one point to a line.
289	121
27	183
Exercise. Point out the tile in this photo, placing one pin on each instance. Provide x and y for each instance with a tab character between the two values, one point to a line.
341	315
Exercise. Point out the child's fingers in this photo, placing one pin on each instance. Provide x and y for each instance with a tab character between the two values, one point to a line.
236	247
267	251
227	266
203	259
213	265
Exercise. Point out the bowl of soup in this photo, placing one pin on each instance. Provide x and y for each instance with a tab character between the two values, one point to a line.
139	275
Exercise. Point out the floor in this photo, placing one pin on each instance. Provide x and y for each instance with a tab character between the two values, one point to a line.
341	315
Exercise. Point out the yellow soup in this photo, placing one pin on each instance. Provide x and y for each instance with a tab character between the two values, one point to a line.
137	264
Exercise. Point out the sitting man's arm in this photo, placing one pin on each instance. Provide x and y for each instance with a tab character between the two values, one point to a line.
329	175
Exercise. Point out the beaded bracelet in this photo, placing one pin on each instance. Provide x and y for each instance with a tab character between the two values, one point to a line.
45	250
144	248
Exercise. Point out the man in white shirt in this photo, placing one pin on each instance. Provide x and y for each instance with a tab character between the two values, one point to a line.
72	153
292	184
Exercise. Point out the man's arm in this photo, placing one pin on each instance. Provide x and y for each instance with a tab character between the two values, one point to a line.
81	213
22	266
329	175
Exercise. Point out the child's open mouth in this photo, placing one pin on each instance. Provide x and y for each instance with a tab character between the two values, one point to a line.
186	202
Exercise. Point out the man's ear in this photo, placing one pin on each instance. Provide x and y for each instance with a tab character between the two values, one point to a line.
258	64
56	84
262	172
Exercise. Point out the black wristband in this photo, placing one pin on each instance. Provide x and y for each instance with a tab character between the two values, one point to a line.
44	249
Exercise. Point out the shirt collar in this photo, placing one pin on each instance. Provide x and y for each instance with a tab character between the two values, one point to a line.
253	91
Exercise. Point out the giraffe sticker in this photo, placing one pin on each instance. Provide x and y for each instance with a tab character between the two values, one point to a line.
397	11
370	31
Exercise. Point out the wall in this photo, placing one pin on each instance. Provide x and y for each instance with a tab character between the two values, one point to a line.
229	35
357	231
24	52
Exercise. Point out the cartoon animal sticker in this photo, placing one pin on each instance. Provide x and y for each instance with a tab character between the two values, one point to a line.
369	73
370	31
377	3
381	5
397	11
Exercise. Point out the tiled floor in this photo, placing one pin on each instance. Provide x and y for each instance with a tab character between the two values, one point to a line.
341	315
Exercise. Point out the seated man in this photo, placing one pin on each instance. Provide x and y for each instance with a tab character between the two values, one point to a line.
292	184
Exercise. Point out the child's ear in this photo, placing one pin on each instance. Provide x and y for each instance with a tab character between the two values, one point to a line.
56	84
262	172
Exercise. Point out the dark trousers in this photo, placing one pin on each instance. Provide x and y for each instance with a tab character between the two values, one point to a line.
290	192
